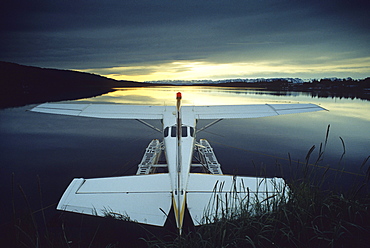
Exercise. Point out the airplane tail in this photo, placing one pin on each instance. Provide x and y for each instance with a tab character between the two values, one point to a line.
147	199
211	197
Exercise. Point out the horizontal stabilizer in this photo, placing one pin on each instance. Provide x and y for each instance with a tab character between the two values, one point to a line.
145	199
211	197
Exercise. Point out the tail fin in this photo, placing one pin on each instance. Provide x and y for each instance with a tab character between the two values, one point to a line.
211	197
145	199
179	196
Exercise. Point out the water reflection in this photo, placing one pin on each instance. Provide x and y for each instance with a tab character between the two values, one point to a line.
192	96
348	118
230	96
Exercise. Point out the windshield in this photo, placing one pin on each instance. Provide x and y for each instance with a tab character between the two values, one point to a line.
186	131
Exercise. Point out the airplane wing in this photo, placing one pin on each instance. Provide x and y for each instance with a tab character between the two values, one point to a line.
211	197
110	111
118	111
248	111
145	199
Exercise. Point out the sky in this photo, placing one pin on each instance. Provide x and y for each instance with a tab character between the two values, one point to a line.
148	40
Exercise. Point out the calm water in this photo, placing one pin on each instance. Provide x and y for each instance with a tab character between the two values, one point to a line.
272	136
56	148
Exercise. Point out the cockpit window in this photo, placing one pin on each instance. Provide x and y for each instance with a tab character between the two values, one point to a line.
173	131
165	133
184	132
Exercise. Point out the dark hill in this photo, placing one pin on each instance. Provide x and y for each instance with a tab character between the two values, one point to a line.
21	85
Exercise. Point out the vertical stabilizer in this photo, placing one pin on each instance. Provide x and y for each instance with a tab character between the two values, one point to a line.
179	194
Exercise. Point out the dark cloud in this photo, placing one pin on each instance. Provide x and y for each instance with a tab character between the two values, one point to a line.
91	34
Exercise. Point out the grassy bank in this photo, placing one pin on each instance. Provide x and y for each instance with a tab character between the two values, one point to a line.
311	218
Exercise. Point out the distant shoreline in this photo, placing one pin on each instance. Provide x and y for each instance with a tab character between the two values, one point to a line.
22	85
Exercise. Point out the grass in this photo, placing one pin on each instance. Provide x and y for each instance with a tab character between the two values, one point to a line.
311	218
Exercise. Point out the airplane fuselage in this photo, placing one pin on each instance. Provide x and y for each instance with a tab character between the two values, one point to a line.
179	146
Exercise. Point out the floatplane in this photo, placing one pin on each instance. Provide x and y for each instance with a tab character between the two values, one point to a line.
147	197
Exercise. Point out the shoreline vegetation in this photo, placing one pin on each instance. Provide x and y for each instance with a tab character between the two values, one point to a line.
22	85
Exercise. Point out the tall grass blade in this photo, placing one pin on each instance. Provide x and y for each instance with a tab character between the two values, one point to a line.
344	149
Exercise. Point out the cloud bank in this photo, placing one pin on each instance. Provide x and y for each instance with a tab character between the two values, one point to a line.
181	39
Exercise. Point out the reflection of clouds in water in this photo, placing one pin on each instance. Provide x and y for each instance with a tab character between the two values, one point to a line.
128	99
198	95
191	96
358	109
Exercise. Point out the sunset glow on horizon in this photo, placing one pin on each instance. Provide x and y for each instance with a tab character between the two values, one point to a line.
192	70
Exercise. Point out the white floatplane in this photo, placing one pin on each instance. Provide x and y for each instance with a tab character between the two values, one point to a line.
147	196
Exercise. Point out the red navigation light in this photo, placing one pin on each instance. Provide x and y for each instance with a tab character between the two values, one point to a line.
178	95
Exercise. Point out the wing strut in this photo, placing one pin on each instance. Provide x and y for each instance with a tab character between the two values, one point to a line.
209	125
149	125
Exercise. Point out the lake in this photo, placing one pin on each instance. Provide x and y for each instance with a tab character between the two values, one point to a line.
42	151
271	137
